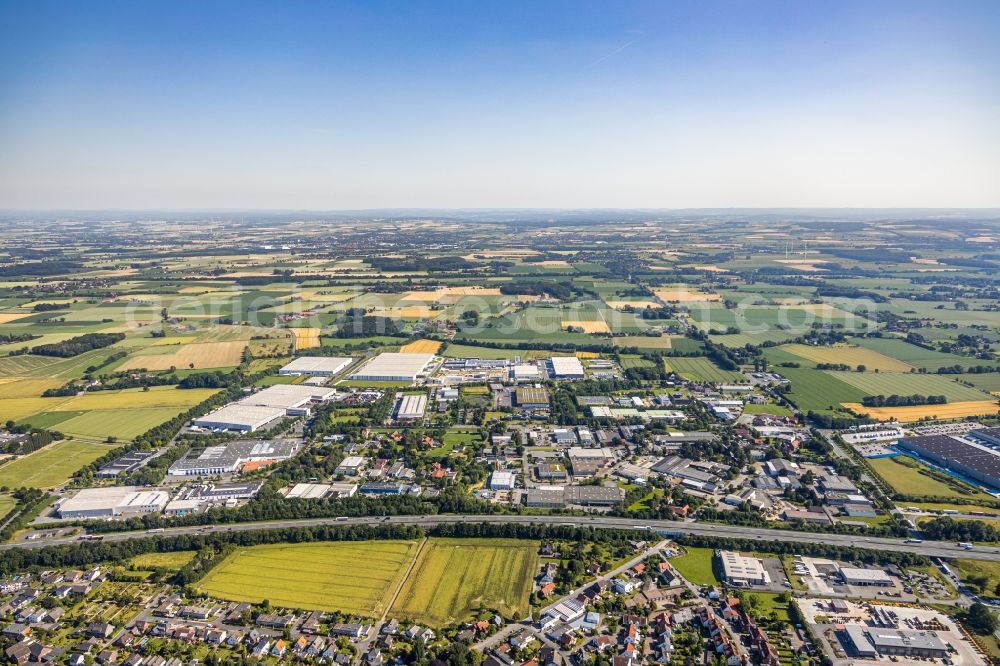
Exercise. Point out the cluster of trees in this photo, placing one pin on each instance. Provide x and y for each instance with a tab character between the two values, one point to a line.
902	400
421	264
78	345
562	290
41	268
10	338
35	439
48	307
944	528
357	324
30	502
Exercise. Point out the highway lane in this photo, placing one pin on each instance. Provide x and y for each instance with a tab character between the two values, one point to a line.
929	548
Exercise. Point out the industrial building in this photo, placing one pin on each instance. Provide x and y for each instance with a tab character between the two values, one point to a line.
238	418
555	497
742	571
112	502
526	372
532	398
316	366
350	466
974	460
567	367
267	405
872	642
124	464
411	407
394	367
500	480
865	577
229	458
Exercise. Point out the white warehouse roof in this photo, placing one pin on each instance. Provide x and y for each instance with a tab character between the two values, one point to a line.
412	407
316	365
567	366
287	396
394	366
236	416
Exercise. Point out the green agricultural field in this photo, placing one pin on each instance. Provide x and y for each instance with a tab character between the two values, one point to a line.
627	362
124	424
701	369
172	561
819	391
885	383
771	408
50	466
918	357
981	575
454	579
696	565
909	477
989	382
352	577
469	351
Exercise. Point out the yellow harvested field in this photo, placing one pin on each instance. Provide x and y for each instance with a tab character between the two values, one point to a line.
26	387
445	293
306	338
588	326
6	317
421	347
587	355
412	312
650	342
198	355
852	356
684	295
951	410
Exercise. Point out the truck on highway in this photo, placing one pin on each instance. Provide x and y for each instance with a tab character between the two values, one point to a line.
965	544
914	541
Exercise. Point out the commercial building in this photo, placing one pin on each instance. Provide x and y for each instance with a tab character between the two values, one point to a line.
526	372
411	407
125	464
350	466
532	398
865	577
226	492
112	502
594	495
546	497
228	458
238	418
394	367
871	642
742	571
567	367
316	366
972	459
308	491
500	480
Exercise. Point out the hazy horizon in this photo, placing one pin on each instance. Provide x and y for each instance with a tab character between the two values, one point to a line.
376	106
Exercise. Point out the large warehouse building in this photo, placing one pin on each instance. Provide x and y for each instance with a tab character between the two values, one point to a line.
112	502
317	366
567	367
230	457
963	456
393	367
267	405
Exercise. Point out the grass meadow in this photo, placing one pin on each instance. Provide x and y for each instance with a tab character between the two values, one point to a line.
50	466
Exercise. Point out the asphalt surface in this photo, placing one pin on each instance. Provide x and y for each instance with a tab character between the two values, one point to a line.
944	549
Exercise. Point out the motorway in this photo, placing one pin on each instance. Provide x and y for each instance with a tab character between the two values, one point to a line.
945	549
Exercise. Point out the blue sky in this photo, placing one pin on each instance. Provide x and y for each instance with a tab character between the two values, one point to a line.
326	105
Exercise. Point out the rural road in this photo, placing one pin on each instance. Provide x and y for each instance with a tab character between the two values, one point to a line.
945	549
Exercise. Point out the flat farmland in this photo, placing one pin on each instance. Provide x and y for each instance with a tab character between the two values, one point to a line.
817	390
354	577
453	579
306	338
198	355
909	477
852	356
918	357
50	466
701	369
884	383
421	347
644	341
951	410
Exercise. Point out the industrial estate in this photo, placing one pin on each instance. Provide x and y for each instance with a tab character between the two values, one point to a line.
609	439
